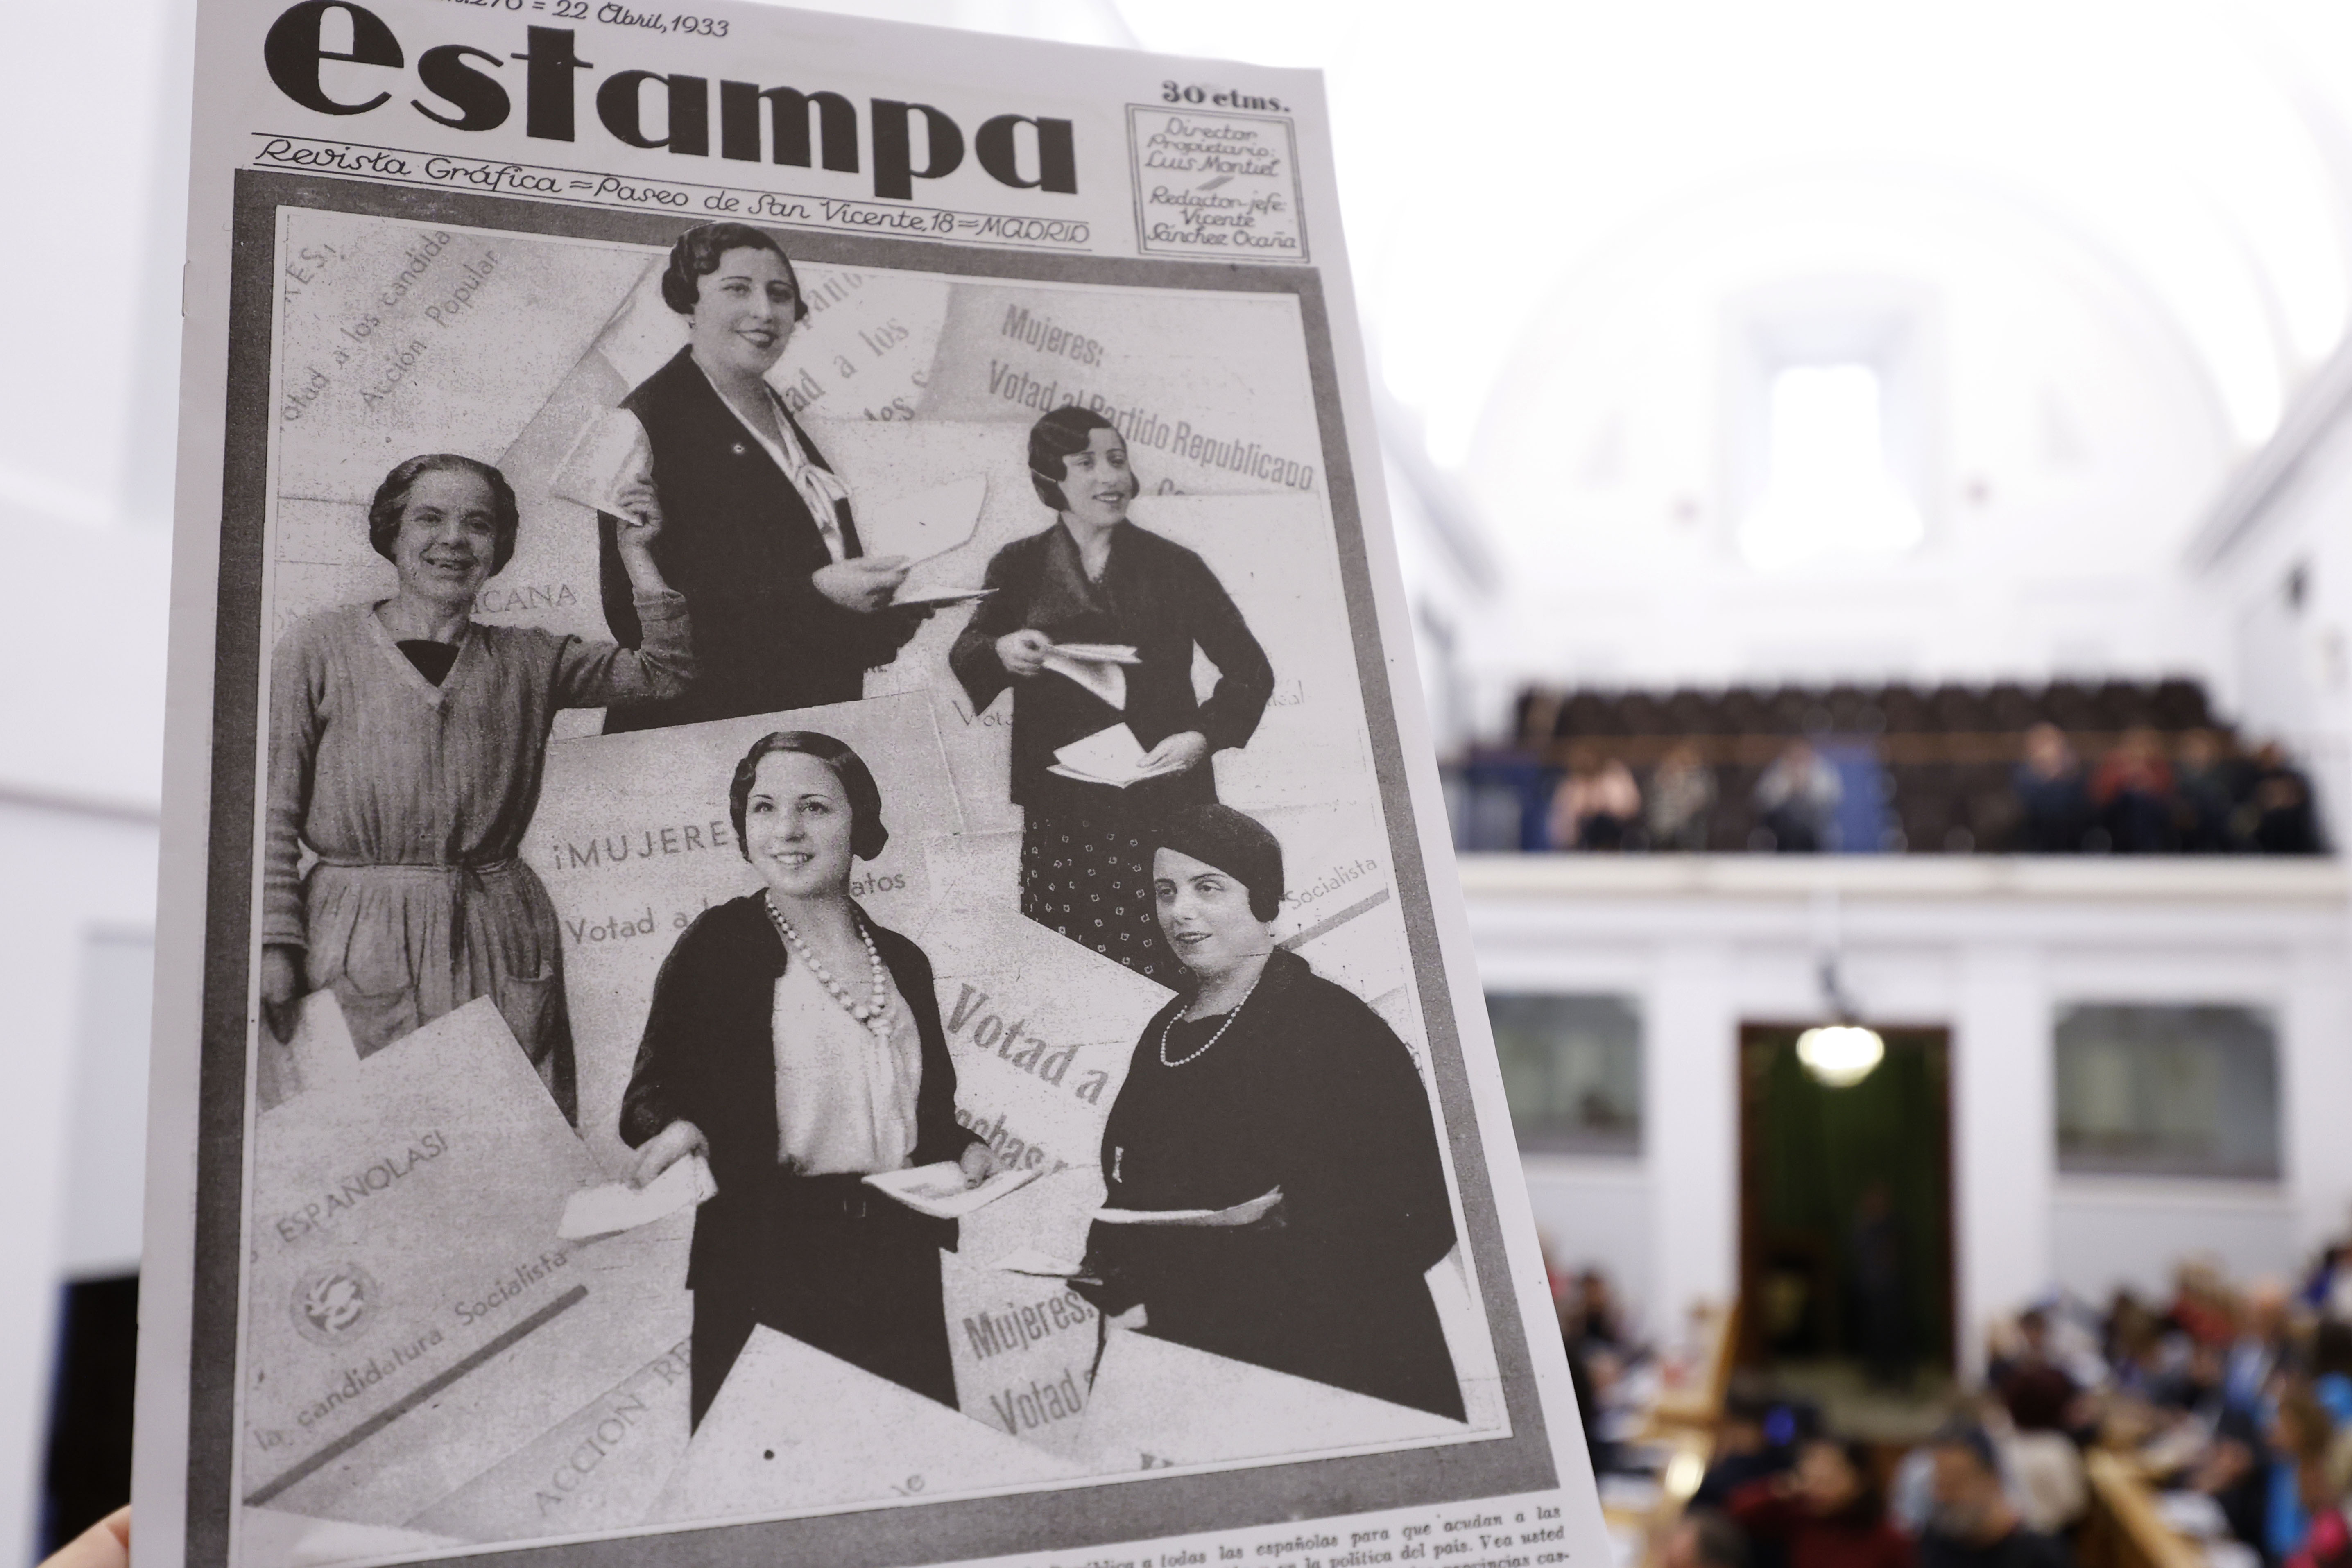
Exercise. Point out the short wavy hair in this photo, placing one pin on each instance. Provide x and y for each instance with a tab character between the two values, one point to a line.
1054	440
1233	842
392	499
696	257
868	836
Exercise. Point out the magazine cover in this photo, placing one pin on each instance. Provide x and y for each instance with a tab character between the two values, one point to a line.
806	915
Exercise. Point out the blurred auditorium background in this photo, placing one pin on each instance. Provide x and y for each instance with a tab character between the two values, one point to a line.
1871	483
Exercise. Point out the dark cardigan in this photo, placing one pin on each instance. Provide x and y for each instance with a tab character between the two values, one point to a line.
1155	595
738	542
708	1056
1309	1090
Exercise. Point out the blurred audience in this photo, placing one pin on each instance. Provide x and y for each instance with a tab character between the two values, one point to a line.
2233	1400
1956	770
1704	1538
1589	1315
1797	801
1972	1523
2299	1435
2207	782
2277	816
1828	1512
1682	800
1597	806
2133	790
2054	797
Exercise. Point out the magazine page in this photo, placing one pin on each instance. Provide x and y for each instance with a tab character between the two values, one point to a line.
807	916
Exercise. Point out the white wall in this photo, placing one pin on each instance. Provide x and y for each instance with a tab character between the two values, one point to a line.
2068	444
1992	948
2108	1233
1600	1210
2289	669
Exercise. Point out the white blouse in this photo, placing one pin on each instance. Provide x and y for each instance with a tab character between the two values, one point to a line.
844	1100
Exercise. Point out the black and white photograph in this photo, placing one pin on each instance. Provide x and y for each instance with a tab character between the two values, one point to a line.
827	935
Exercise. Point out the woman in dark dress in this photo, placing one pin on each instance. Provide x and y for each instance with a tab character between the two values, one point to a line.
1095	577
789	610
1282	1105
797	1045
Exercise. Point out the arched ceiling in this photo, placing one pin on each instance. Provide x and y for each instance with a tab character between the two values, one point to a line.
1490	151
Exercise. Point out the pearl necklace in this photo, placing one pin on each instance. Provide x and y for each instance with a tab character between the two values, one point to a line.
871	1012
1196	1056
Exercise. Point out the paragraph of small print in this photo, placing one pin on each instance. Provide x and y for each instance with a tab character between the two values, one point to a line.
1221	185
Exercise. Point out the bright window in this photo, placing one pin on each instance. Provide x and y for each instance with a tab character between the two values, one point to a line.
1571	1071
2168	1092
1828	491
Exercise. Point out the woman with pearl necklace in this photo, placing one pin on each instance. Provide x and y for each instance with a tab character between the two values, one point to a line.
797	1045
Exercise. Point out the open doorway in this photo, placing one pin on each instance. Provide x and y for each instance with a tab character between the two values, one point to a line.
1845	1213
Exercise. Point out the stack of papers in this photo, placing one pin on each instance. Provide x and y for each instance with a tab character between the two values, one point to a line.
1112	756
1096	666
939	1190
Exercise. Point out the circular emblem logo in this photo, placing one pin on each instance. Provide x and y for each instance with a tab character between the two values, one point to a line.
334	1305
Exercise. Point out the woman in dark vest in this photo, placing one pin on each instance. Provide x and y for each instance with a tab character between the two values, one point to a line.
789	612
1284	1107
1095	577
797	1045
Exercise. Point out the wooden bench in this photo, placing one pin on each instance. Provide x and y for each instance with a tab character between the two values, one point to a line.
2123	1528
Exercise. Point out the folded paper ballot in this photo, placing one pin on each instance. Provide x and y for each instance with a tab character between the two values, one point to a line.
1112	756
924	524
320	1055
1103	678
1041	1264
617	1207
939	1190
911	597
1098	652
1239	1214
613	447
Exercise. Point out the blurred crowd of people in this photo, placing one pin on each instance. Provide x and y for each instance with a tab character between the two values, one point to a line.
1598	804
2230	1406
2199	795
2205	798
